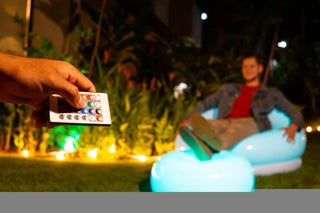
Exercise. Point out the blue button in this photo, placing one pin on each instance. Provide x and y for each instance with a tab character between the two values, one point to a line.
84	110
91	111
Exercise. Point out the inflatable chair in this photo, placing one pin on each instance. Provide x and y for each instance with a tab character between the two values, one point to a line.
181	171
268	152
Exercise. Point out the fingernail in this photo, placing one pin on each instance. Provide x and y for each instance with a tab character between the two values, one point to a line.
81	103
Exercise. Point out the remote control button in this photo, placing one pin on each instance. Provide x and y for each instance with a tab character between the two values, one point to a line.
97	104
92	118
61	117
69	117
99	118
77	117
96	97
91	111
84	110
90	104
83	96
84	117
89	97
98	111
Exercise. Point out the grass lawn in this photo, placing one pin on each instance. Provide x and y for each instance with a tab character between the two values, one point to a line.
38	175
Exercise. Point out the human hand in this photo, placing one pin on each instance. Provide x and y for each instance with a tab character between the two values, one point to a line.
290	131
30	81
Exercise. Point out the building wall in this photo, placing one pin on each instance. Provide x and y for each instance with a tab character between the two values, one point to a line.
9	39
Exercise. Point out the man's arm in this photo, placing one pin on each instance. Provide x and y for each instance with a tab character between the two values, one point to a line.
283	104
30	81
210	102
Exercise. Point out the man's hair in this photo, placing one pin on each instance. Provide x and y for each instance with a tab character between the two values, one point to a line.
253	55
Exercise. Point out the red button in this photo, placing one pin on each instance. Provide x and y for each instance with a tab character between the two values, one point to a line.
89	97
99	118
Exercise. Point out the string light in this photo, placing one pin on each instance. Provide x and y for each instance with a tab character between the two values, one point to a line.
93	153
112	149
141	158
309	129
25	153
61	155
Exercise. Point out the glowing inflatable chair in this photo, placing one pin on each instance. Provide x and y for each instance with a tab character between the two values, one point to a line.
181	171
268	151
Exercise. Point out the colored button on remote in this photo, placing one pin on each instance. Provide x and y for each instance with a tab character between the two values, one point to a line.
99	118
98	111
92	118
89	97
97	104
91	111
90	104
84	110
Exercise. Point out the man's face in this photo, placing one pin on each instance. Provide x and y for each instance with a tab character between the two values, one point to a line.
251	69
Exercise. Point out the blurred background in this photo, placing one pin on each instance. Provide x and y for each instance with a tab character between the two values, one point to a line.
156	59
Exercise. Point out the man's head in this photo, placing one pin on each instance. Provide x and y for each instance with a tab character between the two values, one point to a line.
251	68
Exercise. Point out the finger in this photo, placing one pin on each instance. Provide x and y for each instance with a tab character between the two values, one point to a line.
81	81
70	93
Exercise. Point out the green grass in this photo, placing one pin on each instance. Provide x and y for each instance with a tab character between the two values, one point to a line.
33	175
38	175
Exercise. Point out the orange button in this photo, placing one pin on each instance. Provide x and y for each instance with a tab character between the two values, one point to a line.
89	97
99	118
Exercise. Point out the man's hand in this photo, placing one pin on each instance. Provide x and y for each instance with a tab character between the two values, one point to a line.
290	131
30	81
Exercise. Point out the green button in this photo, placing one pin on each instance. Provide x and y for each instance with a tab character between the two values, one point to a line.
90	104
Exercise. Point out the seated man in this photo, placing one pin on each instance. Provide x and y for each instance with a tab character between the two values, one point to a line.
243	111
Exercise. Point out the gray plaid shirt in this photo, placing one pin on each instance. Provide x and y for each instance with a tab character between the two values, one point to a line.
263	102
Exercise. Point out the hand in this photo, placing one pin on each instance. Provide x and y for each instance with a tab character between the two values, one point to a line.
290	131
30	81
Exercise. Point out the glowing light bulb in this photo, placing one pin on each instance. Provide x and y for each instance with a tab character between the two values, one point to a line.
25	153
282	44
318	128
69	144
309	129
204	16
142	158
60	155
112	149
93	153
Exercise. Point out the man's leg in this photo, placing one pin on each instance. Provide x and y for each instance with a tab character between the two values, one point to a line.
208	130
237	130
202	151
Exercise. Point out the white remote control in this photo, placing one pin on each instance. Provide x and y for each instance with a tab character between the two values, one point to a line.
95	112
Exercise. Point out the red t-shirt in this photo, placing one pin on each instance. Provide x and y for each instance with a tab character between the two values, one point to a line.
241	106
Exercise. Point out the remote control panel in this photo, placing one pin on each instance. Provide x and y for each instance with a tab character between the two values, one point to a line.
95	112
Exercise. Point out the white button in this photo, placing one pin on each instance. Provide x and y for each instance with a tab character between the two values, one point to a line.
92	118
96	97
97	104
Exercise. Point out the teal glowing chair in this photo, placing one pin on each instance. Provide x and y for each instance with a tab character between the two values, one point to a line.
268	152
181	171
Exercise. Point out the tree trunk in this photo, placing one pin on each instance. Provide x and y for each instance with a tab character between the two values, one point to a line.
273	47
